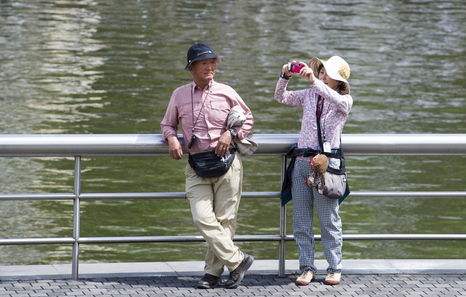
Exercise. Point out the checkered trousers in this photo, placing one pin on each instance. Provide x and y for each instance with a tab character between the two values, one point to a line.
304	199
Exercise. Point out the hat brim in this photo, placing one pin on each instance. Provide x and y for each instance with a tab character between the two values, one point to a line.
203	57
315	64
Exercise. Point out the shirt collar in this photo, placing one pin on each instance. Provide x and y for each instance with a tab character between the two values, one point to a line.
208	87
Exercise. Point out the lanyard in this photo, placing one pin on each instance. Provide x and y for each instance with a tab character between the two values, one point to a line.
192	107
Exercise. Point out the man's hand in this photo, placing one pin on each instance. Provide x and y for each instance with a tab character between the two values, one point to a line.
223	144
174	147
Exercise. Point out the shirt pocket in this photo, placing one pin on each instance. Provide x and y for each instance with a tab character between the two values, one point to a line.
220	111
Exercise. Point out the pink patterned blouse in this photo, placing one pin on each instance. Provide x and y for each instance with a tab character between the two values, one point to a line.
335	111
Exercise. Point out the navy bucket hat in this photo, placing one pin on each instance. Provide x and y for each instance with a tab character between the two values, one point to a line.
200	51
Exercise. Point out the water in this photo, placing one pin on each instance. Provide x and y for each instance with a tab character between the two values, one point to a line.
102	66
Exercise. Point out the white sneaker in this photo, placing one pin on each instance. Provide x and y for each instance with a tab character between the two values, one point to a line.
333	278
305	278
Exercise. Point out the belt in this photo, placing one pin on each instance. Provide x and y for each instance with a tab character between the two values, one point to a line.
309	152
305	152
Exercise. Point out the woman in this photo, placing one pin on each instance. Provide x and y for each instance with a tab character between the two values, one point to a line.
327	98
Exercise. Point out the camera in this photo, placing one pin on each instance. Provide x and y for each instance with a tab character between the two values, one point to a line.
296	67
191	142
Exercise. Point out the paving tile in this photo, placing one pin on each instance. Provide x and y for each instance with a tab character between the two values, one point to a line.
180	279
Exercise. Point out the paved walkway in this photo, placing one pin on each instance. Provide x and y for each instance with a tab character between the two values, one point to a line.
361	278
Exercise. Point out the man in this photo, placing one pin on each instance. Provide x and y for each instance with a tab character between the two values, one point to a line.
202	108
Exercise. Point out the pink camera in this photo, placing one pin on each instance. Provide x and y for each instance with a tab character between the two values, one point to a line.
296	67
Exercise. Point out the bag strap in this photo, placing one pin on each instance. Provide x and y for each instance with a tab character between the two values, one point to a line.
335	153
320	106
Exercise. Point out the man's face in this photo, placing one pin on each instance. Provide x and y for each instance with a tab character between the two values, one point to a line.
204	70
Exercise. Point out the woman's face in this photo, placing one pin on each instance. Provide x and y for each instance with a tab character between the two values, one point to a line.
333	84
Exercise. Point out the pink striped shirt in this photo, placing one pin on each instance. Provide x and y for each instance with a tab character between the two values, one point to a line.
209	117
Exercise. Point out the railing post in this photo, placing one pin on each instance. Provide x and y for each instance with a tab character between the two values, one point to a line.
76	218
282	247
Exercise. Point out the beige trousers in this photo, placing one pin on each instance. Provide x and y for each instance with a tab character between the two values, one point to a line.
214	207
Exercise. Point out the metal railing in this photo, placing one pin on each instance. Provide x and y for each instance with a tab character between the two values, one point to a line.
79	145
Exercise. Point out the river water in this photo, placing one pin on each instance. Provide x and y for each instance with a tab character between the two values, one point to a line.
110	66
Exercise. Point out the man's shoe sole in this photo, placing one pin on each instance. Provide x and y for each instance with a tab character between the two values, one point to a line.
241	276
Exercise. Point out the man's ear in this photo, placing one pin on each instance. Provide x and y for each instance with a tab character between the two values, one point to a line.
191	67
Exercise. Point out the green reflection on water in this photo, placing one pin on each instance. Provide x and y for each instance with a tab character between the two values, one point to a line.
110	67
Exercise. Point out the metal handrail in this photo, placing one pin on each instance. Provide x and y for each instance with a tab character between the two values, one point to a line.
56	145
79	145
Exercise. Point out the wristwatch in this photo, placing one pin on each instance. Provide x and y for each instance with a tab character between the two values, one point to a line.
233	132
283	75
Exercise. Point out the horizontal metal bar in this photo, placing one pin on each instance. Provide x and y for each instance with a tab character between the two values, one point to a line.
136	239
357	237
171	195
194	238
181	195
124	196
351	237
404	144
81	145
53	145
190	238
63	196
29	241
348	237
261	195
413	194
